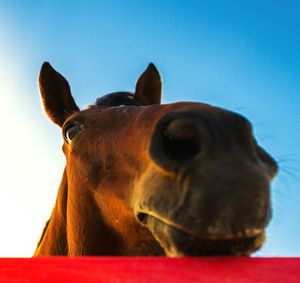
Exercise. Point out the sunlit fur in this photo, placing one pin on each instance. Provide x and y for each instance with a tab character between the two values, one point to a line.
143	178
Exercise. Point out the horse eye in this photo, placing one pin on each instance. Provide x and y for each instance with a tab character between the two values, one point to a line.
71	130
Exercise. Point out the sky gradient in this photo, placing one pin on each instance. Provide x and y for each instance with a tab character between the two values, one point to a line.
239	55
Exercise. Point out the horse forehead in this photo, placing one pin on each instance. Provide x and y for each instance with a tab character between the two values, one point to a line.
121	115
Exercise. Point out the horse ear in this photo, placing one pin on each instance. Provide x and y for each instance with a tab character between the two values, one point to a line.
56	95
148	87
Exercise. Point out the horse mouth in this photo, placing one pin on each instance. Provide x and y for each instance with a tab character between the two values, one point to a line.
180	241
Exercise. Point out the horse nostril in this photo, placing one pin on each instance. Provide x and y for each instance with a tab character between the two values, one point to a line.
177	138
181	140
142	218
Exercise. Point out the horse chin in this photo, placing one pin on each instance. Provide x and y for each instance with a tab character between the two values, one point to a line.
178	242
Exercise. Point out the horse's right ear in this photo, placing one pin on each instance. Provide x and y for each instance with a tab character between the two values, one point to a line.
56	95
148	87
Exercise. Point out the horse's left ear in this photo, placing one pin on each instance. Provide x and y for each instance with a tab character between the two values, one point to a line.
148	87
56	95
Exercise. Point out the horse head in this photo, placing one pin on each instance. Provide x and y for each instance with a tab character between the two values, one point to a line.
143	178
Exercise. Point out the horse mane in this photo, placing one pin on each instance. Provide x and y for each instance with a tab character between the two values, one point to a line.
55	227
44	232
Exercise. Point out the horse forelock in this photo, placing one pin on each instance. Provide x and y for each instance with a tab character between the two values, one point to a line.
116	99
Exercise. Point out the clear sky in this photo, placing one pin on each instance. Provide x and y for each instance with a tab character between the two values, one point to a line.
240	55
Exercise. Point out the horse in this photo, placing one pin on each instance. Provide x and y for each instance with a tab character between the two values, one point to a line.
149	179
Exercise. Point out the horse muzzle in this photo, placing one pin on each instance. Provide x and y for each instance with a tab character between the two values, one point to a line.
206	191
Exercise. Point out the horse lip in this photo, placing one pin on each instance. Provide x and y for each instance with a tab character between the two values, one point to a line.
246	233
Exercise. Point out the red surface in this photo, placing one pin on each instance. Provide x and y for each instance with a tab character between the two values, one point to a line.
108	269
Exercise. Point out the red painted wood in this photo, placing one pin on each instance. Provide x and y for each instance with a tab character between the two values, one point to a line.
142	270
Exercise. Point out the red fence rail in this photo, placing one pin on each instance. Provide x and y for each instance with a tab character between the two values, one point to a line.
142	270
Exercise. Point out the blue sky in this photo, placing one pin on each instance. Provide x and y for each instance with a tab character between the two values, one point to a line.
240	55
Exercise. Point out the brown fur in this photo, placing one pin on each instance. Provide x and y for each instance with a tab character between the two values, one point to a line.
151	179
